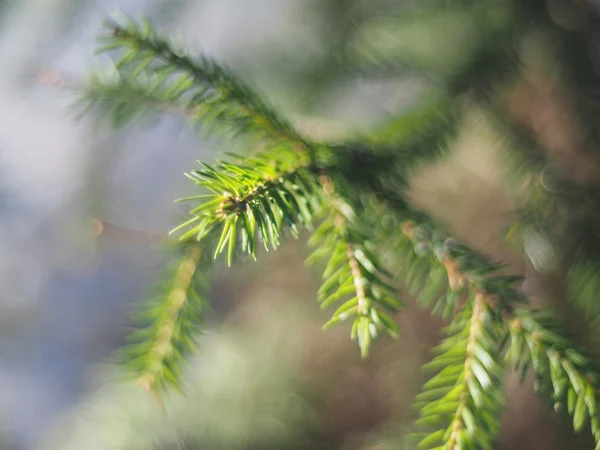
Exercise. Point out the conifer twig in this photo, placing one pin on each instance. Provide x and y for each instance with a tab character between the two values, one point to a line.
294	183
353	270
165	338
175	302
537	340
104	228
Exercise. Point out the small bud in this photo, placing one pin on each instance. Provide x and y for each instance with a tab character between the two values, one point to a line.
450	243
408	228
456	279
441	253
97	227
421	248
516	325
422	233
558	407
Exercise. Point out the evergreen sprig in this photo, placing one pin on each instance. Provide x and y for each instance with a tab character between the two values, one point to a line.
463	401
158	73
570	375
124	100
158	349
263	197
460	405
464	268
418	136
353	270
292	184
537	340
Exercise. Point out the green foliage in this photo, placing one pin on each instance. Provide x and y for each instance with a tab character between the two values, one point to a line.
437	42
257	199
354	269
439	269
158	349
338	193
465	397
264	197
570	375
158	73
583	287
417	136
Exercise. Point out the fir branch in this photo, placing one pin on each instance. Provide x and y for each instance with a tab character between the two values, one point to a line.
462	402
381	164
156	351
125	100
537	339
465	398
276	192
438	267
570	375
419	134
353	270
473	46
395	41
266	196
583	285
382	160
463	265
153	70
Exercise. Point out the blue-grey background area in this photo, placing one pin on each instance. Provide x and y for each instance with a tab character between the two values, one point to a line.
65	296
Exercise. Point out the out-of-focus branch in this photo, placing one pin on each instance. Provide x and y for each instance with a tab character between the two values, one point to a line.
123	234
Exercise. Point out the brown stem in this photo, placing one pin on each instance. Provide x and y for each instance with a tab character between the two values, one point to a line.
123	234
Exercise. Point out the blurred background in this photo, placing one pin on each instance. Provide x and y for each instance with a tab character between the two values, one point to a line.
265	376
